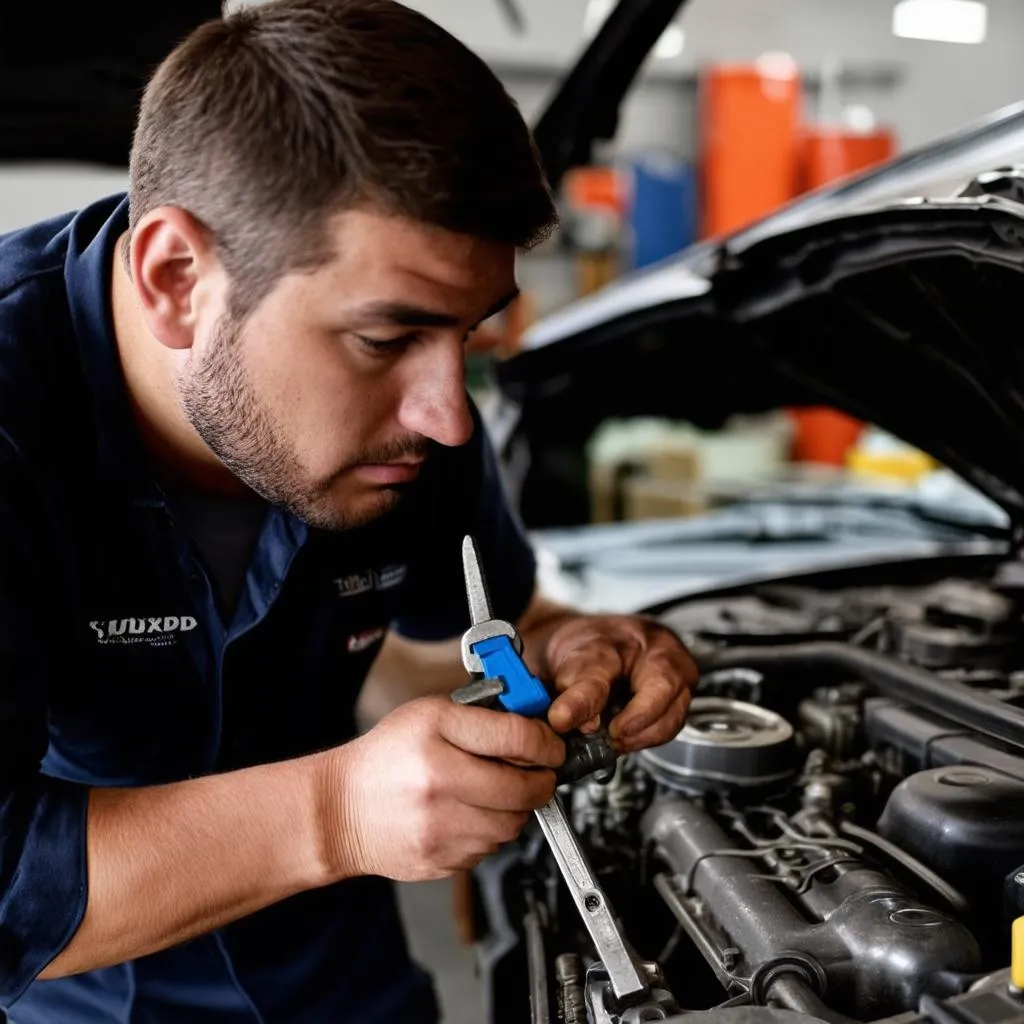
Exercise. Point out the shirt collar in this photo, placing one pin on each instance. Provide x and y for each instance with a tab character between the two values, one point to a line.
122	458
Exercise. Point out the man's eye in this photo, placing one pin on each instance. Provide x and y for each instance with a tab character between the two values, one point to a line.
386	346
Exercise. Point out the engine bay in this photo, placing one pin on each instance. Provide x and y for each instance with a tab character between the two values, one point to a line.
837	833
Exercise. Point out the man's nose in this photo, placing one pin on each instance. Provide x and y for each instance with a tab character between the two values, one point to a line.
435	403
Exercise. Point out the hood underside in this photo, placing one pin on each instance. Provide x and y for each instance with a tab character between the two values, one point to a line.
906	316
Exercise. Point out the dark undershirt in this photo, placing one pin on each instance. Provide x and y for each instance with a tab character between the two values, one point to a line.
225	531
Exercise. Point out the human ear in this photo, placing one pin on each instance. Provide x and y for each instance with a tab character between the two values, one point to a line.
169	251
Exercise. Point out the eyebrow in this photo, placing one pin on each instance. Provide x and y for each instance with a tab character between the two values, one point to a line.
403	314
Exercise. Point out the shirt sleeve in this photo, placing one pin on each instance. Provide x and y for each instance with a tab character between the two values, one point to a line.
469	497
42	819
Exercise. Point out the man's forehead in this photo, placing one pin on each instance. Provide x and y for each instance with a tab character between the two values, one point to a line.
426	252
385	262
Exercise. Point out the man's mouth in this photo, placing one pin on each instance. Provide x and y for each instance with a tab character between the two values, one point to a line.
384	473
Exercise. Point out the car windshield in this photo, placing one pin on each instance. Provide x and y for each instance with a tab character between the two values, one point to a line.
768	530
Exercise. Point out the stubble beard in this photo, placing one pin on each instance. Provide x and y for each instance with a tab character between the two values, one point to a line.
224	408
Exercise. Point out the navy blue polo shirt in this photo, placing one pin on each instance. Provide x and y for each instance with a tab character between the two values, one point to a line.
116	668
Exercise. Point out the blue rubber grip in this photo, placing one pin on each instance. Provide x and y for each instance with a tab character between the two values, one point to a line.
524	694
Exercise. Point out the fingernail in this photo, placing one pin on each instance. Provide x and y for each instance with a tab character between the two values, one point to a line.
560	720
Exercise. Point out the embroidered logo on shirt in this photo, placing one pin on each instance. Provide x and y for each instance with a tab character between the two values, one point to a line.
390	576
385	578
367	638
154	631
354	583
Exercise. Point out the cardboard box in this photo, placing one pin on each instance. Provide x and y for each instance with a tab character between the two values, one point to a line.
647	497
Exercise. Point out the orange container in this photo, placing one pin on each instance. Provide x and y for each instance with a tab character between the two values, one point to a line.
822	434
595	186
829	153
750	144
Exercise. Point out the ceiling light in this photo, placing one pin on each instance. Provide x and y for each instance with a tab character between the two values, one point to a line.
859	119
777	64
944	21
670	43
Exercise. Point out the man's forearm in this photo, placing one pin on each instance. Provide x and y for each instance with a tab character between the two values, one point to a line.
406	669
167	863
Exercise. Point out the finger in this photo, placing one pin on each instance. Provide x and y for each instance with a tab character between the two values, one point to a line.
502	735
503	827
662	731
496	786
479	835
584	678
466	860
660	674
655	688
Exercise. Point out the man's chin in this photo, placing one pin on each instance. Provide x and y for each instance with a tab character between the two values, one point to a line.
330	512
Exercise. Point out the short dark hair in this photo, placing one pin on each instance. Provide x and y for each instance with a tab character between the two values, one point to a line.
264	122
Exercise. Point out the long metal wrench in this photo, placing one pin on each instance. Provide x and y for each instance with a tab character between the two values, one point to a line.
626	980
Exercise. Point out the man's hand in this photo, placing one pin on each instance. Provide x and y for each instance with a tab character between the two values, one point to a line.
587	655
430	788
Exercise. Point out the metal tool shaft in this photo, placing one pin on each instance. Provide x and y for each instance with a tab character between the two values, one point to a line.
476	585
626	979
627	982
483	625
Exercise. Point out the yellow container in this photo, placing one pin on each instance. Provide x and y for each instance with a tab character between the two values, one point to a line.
1017	954
908	465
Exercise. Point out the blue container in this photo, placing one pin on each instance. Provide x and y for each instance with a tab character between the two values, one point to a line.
663	208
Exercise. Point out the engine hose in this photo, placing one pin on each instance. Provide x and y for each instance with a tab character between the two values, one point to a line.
791	992
953	701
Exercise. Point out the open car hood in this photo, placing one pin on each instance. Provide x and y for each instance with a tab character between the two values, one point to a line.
903	314
892	294
585	107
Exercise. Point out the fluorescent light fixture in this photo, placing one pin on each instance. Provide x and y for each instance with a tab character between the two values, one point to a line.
778	65
943	21
670	44
859	119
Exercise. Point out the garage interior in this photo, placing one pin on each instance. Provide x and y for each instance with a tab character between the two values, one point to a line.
741	109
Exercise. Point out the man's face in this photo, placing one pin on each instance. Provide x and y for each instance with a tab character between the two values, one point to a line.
331	394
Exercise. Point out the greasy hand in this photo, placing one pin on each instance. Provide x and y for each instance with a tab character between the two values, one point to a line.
430	789
588	654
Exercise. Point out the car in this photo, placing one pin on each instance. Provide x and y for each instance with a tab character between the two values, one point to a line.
837	833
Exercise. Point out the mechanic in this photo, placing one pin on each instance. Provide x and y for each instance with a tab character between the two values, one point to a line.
238	459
